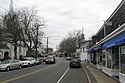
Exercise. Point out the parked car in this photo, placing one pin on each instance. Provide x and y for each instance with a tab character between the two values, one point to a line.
10	64
75	63
77	58
50	59
38	61
44	58
68	58
28	61
60	55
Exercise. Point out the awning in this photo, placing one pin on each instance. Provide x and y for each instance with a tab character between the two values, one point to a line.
97	47
117	40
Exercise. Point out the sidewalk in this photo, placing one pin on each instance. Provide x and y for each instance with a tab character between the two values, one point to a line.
99	76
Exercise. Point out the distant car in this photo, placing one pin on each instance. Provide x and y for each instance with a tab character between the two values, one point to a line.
10	64
50	59
28	61
38	61
68	58
75	63
77	58
60	55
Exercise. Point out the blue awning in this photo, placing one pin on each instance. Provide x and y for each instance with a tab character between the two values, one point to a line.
94	48
97	47
117	40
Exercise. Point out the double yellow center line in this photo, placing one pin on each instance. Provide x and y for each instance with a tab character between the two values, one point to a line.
15	78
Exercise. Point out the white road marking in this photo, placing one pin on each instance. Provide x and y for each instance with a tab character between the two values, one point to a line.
87	74
63	75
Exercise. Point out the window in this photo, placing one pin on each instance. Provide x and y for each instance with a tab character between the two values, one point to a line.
122	59
103	60
99	58
109	58
115	58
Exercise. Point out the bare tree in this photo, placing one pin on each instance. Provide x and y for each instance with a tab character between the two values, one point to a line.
22	26
73	41
11	28
30	23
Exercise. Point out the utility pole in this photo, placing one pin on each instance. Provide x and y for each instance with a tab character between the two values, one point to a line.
37	29
36	40
47	44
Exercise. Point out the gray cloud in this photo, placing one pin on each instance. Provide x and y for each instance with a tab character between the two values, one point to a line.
67	15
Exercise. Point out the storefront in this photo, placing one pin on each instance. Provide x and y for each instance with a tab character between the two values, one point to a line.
99	59
122	64
111	54
110	60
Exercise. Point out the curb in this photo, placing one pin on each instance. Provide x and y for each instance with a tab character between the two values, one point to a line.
90	76
86	74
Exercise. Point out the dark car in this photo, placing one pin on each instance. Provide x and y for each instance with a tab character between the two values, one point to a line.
75	63
50	59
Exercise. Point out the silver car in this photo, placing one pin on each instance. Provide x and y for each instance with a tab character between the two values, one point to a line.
10	64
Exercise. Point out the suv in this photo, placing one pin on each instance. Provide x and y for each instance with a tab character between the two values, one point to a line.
28	61
75	62
50	59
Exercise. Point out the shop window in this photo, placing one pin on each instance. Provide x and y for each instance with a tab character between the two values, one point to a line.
99	58
123	64
109	57
122	60
115	58
103	60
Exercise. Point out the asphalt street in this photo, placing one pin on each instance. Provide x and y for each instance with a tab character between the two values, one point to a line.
45	73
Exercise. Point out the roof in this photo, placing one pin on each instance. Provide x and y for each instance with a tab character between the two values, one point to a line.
117	14
4	46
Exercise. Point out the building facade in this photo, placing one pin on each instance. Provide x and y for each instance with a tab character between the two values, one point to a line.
108	51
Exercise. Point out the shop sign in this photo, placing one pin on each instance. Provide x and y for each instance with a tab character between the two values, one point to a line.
123	50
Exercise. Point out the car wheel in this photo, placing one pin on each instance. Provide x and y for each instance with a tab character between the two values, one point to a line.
20	66
70	66
28	64
8	69
34	64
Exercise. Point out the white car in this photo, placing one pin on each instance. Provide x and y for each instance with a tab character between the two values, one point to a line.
68	58
28	61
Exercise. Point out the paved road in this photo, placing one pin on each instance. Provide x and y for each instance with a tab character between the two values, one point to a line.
50	73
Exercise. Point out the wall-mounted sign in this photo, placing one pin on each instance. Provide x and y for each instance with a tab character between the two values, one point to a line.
123	50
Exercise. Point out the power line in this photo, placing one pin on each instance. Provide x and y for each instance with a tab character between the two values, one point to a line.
9	4
6	2
21	1
3	8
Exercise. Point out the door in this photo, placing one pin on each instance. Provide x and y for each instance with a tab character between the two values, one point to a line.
15	64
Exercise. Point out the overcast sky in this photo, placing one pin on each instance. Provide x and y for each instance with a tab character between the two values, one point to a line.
63	16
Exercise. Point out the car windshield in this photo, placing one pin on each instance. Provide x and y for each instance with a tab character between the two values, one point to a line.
49	57
5	62
74	59
24	59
